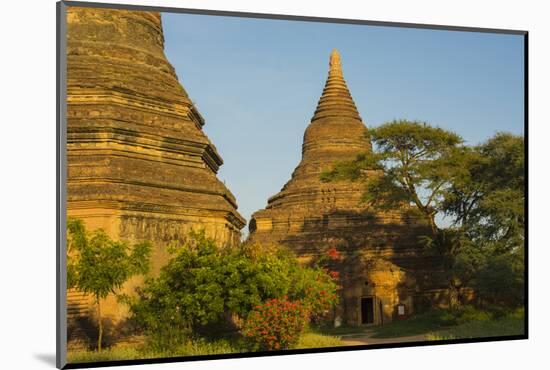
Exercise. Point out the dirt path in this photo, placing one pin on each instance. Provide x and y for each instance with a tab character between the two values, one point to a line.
366	338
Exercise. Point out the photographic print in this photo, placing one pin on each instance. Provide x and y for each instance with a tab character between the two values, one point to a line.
241	185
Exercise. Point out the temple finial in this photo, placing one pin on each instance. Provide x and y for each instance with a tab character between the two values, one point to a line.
336	101
335	63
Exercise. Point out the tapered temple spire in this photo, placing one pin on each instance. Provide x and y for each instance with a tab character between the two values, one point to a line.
336	100
309	215
335	133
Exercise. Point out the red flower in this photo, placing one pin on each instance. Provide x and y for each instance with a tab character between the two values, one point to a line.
276	324
333	253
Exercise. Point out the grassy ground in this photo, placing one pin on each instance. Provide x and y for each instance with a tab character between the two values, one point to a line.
110	354
341	330
316	340
512	324
417	324
466	322
194	348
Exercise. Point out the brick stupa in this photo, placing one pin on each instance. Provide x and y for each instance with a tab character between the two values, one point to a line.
139	164
380	250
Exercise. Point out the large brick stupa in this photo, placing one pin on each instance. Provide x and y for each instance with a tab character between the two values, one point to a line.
139	164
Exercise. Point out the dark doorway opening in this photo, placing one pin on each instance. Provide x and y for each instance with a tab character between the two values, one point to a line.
367	310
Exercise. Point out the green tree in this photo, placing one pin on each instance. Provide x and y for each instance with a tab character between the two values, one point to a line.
488	200
414	164
98	265
501	279
487	203
480	188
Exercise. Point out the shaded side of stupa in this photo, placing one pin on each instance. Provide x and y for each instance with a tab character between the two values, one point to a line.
381	265
139	164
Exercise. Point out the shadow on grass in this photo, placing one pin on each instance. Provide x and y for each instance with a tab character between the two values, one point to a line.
464	322
406	328
506	326
415	325
341	330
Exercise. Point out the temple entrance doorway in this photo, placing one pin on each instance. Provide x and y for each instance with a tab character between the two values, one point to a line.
367	310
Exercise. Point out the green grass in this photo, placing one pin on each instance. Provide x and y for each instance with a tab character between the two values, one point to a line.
465	322
445	321
192	348
316	340
197	347
341	330
512	324
200	347
110	354
417	324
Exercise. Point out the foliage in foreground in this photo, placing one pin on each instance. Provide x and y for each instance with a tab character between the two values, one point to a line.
98	265
466	322
276	324
196	347
204	284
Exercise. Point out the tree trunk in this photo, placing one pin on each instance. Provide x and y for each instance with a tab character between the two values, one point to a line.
100	336
454	299
433	225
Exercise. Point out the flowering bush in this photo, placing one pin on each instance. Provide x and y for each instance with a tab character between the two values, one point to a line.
334	274
203	285
316	289
333	254
276	324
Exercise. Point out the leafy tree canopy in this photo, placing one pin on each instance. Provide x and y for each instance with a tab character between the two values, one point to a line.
488	200
481	188
99	265
414	163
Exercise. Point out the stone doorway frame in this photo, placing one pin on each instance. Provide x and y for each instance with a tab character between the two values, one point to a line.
377	310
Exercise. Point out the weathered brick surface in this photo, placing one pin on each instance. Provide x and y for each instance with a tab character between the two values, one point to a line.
139	164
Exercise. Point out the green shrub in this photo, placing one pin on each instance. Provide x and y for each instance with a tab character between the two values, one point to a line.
315	288
465	314
204	284
500	282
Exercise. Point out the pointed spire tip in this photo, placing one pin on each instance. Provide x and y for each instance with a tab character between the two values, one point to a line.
335	62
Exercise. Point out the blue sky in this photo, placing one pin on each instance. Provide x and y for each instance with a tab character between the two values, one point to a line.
257	82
